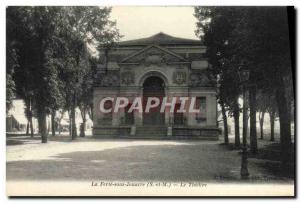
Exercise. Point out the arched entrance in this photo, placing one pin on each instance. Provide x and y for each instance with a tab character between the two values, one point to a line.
153	86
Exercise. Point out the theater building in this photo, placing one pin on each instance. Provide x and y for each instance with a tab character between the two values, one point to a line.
157	66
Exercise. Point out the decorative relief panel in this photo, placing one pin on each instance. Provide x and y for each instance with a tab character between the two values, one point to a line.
108	79
179	77
201	79
154	59
127	78
154	56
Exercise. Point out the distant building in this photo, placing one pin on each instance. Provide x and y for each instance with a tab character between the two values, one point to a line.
16	120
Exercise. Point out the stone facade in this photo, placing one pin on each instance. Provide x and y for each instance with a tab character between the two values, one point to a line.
181	67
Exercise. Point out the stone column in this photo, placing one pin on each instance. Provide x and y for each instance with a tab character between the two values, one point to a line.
167	117
121	116
169	133
133	130
115	119
138	118
211	104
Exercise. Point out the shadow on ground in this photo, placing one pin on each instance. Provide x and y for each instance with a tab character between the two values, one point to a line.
268	159
194	161
12	140
163	162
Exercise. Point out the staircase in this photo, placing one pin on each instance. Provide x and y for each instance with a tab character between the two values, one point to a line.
151	131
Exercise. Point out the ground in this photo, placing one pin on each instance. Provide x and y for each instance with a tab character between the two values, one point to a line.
125	159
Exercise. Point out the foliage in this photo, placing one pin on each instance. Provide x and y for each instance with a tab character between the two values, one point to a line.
49	57
255	38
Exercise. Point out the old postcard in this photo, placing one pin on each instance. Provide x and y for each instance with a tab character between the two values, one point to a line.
150	101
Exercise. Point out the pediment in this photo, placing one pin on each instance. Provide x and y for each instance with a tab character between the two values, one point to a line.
153	55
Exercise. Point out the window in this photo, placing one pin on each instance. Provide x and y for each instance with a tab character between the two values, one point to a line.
201	104
107	117
178	116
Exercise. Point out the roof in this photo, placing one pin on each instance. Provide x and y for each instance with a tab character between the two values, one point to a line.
160	39
20	118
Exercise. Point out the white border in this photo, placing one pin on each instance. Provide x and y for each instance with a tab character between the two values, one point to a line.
4	4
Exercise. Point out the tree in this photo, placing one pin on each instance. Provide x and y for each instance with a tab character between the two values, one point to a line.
272	110
11	65
85	94
262	106
264	31
19	72
252	106
236	115
256	38
88	26
29	116
226	139
223	65
48	58
36	77
266	103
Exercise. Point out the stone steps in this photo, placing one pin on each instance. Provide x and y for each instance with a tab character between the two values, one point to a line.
161	132
154	137
151	131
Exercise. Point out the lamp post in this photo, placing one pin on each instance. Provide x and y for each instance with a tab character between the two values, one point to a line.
244	76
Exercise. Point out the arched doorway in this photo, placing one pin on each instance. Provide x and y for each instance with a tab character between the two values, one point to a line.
153	86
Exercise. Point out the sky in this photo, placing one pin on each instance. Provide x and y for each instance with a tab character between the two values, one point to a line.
139	22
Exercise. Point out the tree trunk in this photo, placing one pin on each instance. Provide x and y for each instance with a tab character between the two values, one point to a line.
27	128
90	112
59	126
226	141
29	117
236	115
272	124
42	126
261	124
73	114
31	127
83	115
245	117
285	123
48	126
53	122
70	127
59	122
252	105
70	123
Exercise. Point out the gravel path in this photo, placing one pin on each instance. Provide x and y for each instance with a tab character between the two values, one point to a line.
98	159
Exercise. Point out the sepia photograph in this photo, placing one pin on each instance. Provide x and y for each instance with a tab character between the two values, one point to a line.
150	101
